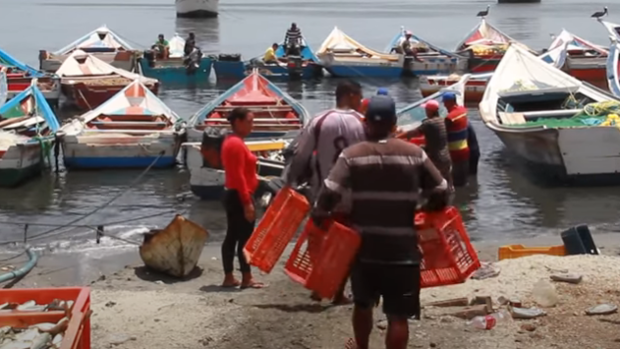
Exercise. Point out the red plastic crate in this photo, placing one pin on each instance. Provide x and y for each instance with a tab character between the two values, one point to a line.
276	229
77	335
321	259
447	254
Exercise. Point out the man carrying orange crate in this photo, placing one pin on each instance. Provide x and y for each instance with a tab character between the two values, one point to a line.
320	144
385	177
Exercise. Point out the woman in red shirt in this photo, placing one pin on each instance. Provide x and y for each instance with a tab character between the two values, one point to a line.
240	182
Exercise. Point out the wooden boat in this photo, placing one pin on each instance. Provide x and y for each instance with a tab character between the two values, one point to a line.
206	174
304	66
564	126
176	249
27	127
411	116
435	60
342	56
612	68
102	42
131	130
173	69
88	81
485	46
275	112
586	61
477	83
4	87
20	77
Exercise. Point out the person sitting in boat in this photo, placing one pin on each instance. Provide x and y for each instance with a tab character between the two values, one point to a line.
162	47
270	55
405	46
292	40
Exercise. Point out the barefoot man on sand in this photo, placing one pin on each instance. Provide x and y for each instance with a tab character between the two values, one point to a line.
385	177
322	141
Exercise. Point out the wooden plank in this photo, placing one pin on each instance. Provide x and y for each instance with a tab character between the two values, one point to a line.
511	118
255	107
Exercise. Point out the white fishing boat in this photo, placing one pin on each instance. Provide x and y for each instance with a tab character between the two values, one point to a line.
566	128
197	8
133	129
585	60
102	42
613	64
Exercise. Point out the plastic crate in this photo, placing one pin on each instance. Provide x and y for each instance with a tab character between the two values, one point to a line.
321	259
276	229
518	251
77	335
447	254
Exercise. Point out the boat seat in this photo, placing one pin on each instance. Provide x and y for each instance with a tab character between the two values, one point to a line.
563	113
511	118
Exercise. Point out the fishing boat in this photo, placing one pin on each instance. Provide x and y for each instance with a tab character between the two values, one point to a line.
176	249
20	76
205	167
88	81
303	66
102	42
133	129
174	68
477	83
586	61
485	46
612	28
27	127
433	59
613	65
197	8
342	56
565	127
275	112
4	87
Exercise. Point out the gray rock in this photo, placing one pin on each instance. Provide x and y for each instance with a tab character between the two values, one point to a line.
568	278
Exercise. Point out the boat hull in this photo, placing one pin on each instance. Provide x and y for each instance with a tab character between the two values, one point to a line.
84	152
482	64
394	70
197	8
173	71
518	1
581	156
591	70
90	96
20	163
474	89
238	70
125	60
50	88
176	249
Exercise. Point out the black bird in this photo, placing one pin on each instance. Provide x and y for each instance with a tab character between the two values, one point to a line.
600	13
486	12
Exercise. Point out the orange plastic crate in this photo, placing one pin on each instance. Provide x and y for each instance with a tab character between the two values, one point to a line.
77	335
321	259
276	229
447	254
518	251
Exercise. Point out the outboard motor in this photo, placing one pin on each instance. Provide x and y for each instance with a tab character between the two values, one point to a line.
294	67
293	49
192	61
229	57
211	148
150	56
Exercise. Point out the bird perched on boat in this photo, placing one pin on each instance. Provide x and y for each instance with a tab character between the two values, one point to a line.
600	14
484	13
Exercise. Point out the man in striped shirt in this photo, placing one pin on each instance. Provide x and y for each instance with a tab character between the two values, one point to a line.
385	178
321	142
292	40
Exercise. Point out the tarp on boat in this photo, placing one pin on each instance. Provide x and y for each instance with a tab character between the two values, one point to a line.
80	63
575	43
339	42
9	61
134	99
177	46
30	102
484	34
417	41
100	39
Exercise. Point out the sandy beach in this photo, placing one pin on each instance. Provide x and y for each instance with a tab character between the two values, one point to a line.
135	308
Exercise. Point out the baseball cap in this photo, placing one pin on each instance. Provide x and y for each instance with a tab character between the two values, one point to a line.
449	96
431	105
382	91
381	108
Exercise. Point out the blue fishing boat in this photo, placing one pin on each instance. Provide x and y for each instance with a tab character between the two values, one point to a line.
27	128
174	69
275	112
432	59
342	56
304	66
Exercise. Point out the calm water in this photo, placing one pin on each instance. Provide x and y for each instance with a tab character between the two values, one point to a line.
503	204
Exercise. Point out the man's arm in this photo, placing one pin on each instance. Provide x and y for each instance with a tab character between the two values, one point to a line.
303	155
332	190
431	178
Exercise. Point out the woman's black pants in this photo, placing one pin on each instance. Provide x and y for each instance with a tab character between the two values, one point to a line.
238	232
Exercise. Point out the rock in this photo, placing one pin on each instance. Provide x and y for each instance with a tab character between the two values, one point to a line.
159	282
101	278
602	309
522	313
568	278
433	345
110	304
447	320
118	339
528	327
536	336
454	302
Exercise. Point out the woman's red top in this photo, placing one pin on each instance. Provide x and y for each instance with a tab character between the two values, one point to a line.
239	167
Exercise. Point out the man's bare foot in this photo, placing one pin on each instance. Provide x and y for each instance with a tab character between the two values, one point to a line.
230	281
342	300
350	344
252	284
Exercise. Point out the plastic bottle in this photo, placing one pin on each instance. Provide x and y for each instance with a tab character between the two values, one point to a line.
489	321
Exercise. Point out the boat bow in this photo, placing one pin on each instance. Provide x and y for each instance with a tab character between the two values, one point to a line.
102	39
